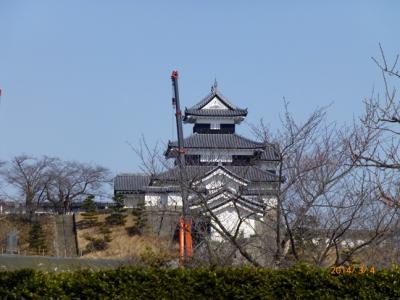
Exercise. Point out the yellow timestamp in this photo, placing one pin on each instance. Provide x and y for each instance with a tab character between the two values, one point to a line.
359	269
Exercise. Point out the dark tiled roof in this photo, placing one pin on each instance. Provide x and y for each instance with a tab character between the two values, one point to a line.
252	173
134	183
232	110
162	189
216	112
255	204
131	182
217	141
258	192
248	173
269	153
214	92
192	172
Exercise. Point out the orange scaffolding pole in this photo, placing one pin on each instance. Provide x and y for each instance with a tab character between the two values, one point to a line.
181	240
188	238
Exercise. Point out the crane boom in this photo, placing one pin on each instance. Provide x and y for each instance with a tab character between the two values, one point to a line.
185	221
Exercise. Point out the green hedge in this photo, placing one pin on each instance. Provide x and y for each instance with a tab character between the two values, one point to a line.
299	282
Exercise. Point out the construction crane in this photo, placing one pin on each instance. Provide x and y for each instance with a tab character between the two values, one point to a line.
185	221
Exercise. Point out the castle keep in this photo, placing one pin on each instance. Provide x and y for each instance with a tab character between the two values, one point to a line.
228	176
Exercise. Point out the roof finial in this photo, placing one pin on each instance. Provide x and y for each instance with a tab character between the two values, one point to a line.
214	86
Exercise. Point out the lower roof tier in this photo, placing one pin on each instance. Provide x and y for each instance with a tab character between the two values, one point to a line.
169	180
213	142
247	173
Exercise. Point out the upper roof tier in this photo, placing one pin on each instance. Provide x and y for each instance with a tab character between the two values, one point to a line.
214	105
213	142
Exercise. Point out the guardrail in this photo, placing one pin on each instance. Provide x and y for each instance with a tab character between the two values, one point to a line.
18	251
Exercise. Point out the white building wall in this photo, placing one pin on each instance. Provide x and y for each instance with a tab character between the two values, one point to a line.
174	200
230	219
220	179
270	201
133	200
160	199
228	214
215	103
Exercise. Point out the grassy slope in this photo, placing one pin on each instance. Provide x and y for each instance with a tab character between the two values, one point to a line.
124	246
22	225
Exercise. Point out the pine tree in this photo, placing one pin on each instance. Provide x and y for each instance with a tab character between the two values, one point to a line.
140	217
106	232
140	213
118	216
37	238
90	215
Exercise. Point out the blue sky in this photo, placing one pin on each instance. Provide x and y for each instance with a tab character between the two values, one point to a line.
81	78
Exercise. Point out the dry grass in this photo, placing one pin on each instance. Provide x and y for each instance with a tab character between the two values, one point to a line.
22	225
122	245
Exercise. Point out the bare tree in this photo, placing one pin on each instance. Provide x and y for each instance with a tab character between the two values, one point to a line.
70	181
2	192
327	210
314	172
324	199
349	220
152	160
29	176
301	155
51	179
381	120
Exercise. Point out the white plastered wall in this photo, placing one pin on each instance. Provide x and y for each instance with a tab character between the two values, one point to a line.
229	217
221	179
156	199
228	214
215	103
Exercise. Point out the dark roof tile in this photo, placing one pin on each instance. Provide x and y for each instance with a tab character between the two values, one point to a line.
249	173
269	153
135	183
232	111
217	141
131	182
210	96
216	112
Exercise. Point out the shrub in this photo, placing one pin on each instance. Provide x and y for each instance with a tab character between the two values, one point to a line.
106	232
37	238
300	282
155	259
90	216
133	230
117	216
139	214
96	244
99	243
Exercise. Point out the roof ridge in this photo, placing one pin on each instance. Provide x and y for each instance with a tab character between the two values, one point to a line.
232	172
133	174
243	137
224	99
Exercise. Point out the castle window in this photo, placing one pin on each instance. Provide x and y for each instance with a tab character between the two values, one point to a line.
215	126
215	157
164	199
